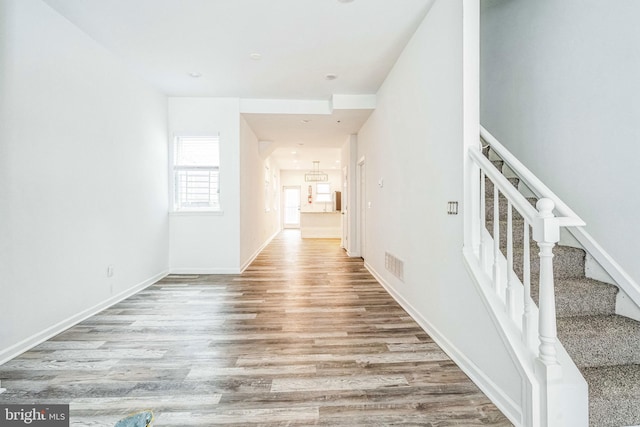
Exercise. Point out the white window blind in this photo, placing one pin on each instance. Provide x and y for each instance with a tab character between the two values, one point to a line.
323	192
196	171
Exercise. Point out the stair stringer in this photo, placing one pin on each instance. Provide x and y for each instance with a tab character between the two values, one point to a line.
628	300
567	396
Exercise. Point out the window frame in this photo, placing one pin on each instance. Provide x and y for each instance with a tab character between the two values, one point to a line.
319	199
175	206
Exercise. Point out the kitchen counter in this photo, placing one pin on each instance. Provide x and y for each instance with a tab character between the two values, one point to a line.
321	225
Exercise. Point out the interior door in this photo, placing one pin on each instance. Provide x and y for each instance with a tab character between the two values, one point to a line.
291	208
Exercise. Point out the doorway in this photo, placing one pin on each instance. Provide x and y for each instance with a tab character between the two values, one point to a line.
291	211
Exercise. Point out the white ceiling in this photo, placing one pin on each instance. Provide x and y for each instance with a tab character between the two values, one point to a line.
299	139
300	41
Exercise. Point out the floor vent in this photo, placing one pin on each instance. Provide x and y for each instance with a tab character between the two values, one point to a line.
394	265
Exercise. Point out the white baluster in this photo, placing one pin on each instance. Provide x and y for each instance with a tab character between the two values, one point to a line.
527	316
496	238
510	295
546	234
483	243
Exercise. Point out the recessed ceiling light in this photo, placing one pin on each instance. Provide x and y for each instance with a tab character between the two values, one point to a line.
337	161
345	1
255	56
305	121
195	74
294	152
295	161
330	76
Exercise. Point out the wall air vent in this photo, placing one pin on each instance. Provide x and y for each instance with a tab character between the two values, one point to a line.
394	265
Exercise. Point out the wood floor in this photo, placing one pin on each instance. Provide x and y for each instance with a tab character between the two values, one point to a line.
305	336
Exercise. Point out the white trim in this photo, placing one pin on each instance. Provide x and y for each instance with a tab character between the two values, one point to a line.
40	337
361	208
488	387
248	262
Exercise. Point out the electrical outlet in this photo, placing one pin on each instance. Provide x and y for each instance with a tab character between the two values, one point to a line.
452	208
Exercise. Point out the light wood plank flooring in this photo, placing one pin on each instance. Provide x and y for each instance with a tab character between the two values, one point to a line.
305	336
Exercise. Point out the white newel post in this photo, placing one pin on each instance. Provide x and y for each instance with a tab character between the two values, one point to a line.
546	232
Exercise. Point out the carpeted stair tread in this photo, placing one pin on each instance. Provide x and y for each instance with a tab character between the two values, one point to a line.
518	235
502	207
488	186
568	262
614	395
600	340
580	296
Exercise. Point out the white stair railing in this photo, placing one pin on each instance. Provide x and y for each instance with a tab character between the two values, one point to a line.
537	327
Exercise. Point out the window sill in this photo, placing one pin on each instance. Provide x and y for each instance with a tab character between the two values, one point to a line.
196	213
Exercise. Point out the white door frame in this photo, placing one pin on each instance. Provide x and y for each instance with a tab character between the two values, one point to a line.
284	204
361	191
344	207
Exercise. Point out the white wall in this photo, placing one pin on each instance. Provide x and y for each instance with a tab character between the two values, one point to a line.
413	142
560	89
209	243
83	178
259	207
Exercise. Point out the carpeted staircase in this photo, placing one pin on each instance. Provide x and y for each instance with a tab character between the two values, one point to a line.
604	346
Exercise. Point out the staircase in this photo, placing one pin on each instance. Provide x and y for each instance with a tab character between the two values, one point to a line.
603	345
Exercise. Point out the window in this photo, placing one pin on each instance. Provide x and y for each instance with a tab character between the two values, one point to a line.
196	173
323	192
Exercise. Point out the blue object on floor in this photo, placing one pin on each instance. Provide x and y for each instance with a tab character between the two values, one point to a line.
141	419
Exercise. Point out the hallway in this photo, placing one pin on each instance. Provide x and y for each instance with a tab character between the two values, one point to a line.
305	336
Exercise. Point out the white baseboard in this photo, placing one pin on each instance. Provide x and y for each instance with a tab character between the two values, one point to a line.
508	407
248	262
40	337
